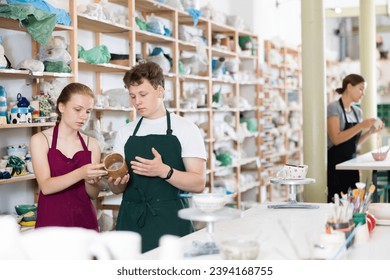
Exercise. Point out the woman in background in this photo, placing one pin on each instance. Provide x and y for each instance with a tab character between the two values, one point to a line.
346	129
67	164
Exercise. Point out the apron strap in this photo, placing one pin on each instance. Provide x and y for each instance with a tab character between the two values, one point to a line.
345	115
55	135
169	130
82	141
137	127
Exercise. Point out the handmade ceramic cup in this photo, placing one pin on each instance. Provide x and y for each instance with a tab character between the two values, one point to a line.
115	165
292	172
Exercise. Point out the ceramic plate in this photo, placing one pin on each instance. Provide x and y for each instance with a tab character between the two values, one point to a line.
383	222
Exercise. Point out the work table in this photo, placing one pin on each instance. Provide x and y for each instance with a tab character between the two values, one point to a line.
303	226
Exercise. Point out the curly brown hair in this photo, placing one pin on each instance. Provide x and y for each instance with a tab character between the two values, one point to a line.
147	70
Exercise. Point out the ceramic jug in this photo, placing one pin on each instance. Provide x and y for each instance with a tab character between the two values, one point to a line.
22	101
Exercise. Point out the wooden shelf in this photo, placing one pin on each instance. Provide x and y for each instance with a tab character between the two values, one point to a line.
257	91
222	53
16	179
102	68
153	38
114	109
13	24
27	125
102	26
25	74
34	80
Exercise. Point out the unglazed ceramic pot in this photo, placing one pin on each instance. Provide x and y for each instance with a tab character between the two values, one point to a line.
115	165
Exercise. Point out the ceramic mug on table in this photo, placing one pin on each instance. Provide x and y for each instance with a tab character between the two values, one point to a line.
115	165
292	172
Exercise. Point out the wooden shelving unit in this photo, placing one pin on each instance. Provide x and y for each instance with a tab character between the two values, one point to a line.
34	79
283	137
254	156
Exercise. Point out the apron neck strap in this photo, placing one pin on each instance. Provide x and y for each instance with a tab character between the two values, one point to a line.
169	130
345	115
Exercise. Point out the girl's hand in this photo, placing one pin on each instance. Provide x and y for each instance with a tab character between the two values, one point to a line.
93	172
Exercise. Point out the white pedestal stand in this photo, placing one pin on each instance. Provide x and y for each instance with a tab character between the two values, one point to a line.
292	191
194	214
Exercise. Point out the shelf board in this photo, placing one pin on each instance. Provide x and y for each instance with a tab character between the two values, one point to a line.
249	83
114	109
17	179
254	108
149	6
221	52
227	80
224	139
249	186
217	27
246	33
25	74
197	110
247	57
27	125
102	26
169	75
103	68
274	155
248	160
221	110
153	38
187	46
13	24
222	168
193	78
186	18
105	193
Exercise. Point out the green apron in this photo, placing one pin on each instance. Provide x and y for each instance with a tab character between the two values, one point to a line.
150	204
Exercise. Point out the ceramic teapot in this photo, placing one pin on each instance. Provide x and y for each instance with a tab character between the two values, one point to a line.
22	101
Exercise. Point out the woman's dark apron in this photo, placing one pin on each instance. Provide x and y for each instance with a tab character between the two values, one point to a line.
341	180
150	204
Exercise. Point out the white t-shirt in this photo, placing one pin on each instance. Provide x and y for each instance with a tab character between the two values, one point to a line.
186	131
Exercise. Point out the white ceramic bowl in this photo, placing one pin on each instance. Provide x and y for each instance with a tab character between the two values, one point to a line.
209	202
380	211
239	249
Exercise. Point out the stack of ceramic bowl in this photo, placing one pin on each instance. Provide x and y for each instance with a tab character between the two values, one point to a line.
27	213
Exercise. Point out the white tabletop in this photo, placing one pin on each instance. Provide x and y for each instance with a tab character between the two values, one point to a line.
365	162
304	227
